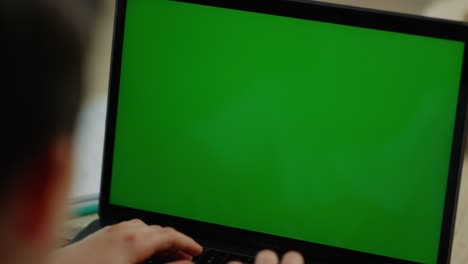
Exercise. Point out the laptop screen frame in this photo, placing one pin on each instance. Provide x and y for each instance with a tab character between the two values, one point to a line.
330	13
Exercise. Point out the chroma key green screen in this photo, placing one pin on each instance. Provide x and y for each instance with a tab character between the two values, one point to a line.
321	132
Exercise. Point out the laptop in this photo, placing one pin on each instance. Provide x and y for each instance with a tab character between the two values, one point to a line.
331	130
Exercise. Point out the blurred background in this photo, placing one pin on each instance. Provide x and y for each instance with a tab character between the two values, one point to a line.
89	139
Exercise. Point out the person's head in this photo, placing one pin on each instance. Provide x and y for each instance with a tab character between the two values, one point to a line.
43	45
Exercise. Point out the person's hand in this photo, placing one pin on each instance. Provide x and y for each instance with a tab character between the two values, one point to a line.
130	242
270	257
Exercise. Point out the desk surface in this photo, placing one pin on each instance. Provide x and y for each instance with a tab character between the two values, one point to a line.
460	243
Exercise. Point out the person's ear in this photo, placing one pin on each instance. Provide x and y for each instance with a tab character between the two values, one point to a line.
41	197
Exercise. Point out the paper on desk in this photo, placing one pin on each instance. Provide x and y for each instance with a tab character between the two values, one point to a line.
89	142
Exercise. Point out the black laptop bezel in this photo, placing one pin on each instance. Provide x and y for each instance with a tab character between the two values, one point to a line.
305	10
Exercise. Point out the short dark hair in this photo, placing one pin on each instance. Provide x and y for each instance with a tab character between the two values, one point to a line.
43	44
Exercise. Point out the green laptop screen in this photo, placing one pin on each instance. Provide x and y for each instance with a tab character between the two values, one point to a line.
315	131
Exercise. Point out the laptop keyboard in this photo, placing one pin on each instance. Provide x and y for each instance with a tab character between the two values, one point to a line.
213	256
209	256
